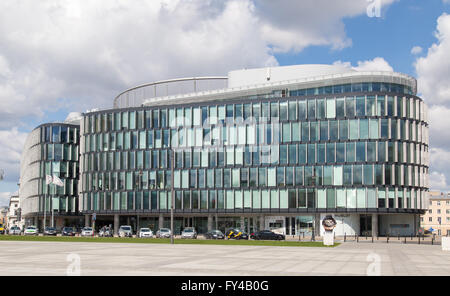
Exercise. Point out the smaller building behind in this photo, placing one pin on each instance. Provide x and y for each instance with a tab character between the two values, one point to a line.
437	217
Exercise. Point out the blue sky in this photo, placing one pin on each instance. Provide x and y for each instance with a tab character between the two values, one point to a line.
57	57
403	25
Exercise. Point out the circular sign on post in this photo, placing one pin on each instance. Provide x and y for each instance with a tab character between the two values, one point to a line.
328	223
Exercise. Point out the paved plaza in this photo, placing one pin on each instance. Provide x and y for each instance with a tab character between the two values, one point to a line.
57	258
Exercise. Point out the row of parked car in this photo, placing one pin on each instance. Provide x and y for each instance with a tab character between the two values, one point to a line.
144	232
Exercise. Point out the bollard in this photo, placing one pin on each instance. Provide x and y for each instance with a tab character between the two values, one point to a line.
372	239
357	239
405	239
419	239
399	237
345	237
432	241
387	241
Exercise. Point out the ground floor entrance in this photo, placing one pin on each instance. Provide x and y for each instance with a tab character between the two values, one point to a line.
296	225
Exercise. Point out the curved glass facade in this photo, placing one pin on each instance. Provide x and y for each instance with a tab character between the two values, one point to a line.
350	150
50	150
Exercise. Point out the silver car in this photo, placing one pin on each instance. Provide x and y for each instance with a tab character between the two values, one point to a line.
145	232
163	233
87	231
31	230
189	232
125	231
14	230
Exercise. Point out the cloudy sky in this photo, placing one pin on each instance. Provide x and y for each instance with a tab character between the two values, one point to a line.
59	56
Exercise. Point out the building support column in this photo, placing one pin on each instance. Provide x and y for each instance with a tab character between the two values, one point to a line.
161	221
374	225
137	223
210	222
317	225
86	221
261	223
242	223
116	224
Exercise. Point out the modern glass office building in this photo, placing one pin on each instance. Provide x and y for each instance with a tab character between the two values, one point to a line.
50	150
276	148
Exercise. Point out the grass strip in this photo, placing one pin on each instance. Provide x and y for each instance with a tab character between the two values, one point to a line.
162	241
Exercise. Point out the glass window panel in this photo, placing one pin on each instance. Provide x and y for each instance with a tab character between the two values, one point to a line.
368	174
320	108
302	110
363	128
357	174
331	155
333	132
353	127
274	199
311	109
371	106
350	106
321	198
331	108
361	198
324	130
360	106
360	151
343	129
351	198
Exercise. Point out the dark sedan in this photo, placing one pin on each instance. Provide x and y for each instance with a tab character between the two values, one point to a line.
235	233
50	231
267	235
68	231
214	234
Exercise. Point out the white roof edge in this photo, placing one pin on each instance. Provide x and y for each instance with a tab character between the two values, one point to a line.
268	85
171	80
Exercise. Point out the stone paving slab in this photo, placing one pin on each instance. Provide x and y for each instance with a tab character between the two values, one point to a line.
351	258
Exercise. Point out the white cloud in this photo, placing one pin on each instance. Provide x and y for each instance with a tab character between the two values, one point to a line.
294	25
11	145
416	50
4	198
433	78
376	64
77	55
433	70
438	181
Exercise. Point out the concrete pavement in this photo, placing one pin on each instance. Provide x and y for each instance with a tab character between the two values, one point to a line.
57	258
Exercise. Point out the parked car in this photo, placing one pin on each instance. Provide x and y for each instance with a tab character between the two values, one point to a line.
31	230
106	232
214	234
68	231
87	231
50	231
189	232
125	231
163	233
15	230
235	233
268	235
145	232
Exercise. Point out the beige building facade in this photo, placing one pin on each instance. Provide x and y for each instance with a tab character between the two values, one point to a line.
437	216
